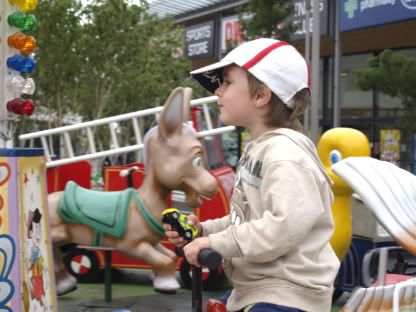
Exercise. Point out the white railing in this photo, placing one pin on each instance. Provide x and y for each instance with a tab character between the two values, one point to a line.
86	131
397	294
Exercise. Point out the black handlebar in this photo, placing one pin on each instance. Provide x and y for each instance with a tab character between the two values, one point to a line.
207	257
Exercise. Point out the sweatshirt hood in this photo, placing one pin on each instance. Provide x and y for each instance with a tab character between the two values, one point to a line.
302	141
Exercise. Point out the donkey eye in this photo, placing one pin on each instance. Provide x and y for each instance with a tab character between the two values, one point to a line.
197	162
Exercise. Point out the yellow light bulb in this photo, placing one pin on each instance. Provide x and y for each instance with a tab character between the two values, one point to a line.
25	5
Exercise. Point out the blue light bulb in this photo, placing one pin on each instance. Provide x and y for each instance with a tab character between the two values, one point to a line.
29	66
24	65
16	62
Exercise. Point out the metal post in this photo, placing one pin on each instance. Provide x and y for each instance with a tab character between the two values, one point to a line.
315	71
382	266
196	289
4	91
306	116
336	109
107	275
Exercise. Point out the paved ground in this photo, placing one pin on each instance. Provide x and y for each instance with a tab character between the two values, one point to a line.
132	292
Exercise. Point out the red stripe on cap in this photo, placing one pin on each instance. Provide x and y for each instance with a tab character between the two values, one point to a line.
263	53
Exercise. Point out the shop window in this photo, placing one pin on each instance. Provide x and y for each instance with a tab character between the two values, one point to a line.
354	101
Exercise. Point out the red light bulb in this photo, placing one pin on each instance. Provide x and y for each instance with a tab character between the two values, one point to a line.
21	106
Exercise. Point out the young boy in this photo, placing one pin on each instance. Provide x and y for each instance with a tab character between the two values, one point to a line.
275	242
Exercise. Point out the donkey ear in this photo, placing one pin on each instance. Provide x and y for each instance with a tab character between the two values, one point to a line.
171	117
186	105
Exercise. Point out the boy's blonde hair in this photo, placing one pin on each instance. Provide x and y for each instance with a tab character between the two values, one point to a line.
279	114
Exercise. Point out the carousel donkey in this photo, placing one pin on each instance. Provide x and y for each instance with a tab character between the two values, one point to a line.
129	220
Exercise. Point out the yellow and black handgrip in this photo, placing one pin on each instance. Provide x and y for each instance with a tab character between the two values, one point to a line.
179	223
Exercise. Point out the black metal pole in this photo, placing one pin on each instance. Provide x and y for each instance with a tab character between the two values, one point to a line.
107	276
196	289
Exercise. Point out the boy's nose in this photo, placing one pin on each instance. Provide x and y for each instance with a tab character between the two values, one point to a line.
218	91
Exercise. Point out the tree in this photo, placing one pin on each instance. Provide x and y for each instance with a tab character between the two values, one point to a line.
268	19
128	63
103	59
58	35
106	58
394	75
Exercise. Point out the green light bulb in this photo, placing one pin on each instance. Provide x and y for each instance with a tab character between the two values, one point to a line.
17	19
29	24
22	21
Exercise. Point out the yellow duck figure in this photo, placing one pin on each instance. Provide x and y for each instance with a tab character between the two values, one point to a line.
334	145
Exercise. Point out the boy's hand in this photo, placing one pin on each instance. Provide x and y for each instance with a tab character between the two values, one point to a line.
193	220
192	249
174	236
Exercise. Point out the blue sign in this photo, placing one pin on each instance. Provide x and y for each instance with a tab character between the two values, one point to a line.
356	14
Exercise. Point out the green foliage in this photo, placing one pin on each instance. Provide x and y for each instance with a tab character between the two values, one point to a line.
58	54
129	63
394	75
269	19
105	58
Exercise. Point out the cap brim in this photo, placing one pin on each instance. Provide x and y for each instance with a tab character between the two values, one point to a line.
210	77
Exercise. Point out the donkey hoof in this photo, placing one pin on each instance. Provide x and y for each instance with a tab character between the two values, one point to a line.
66	285
166	285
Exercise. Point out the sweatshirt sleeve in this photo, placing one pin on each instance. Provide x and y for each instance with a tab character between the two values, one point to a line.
215	225
292	204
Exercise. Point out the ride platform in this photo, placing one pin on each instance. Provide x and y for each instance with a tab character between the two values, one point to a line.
132	291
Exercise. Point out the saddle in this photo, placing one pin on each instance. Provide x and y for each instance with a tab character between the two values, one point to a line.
105	212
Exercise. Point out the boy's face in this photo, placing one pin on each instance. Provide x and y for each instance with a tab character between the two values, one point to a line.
234	98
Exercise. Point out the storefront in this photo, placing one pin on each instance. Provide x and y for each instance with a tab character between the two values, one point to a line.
367	27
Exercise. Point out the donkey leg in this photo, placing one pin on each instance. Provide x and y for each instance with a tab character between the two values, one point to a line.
163	265
170	269
65	282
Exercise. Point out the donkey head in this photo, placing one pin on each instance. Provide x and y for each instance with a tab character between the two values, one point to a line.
176	156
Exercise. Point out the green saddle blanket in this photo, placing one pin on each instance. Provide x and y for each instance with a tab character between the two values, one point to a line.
105	212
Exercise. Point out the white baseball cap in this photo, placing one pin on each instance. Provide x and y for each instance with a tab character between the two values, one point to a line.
275	63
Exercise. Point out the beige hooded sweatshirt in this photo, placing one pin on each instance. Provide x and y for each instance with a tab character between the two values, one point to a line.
275	242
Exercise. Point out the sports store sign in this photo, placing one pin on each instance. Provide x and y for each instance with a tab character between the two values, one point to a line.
200	40
356	14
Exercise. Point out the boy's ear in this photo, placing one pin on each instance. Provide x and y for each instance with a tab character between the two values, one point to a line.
262	97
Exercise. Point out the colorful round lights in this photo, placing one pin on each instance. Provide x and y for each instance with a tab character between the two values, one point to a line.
25	22
21	85
25	5
21	106
21	63
24	65
25	44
